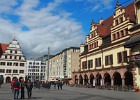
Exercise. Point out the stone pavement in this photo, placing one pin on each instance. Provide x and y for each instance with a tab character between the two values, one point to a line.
72	93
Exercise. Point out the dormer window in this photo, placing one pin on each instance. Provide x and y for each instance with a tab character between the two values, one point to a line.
118	35
122	33
126	31
114	37
116	21
121	19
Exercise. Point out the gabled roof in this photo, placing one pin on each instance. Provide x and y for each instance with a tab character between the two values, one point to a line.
3	48
104	29
130	12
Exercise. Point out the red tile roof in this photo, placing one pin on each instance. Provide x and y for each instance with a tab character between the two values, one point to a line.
3	48
130	12
104	29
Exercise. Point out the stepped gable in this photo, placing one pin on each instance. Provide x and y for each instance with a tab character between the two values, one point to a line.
130	12
104	29
3	48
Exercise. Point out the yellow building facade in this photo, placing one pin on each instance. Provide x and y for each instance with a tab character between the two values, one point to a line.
103	57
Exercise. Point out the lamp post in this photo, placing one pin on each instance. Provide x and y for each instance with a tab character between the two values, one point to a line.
33	70
48	64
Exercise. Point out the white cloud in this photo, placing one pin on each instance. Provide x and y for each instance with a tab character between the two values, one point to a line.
5	5
48	27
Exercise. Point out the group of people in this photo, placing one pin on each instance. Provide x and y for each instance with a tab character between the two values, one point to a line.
47	85
17	85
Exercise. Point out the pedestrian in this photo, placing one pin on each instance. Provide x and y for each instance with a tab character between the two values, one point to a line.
54	84
1	82
58	84
12	85
22	86
16	88
61	84
29	86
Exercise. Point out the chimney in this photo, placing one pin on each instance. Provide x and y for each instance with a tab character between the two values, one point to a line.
100	21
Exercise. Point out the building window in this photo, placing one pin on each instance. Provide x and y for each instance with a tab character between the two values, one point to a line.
10	57
84	65
10	51
2	70
2	63
37	63
9	63
97	43
98	62
15	57
8	71
122	33
21	71
119	55
126	31
118	35
19	58
114	36
21	64
121	19
5	56
116	21
122	56
30	63
90	63
15	71
15	64
109	60
15	52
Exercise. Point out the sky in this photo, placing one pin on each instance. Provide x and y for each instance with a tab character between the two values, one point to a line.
58	24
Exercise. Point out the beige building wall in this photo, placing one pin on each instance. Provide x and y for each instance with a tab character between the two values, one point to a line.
108	38
64	63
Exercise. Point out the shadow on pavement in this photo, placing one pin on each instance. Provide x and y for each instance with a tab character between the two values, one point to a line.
36	98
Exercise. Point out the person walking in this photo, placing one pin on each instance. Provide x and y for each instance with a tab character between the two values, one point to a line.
12	85
58	84
16	88
29	87
61	84
1	82
22	86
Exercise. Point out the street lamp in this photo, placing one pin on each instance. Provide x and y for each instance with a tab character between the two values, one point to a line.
48	64
33	70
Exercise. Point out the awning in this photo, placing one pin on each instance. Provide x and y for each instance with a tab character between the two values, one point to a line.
135	40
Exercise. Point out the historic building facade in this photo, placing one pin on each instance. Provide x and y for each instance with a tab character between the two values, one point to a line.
64	63
12	61
134	44
103	57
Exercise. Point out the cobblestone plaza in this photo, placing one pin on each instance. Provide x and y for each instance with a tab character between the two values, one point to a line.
72	93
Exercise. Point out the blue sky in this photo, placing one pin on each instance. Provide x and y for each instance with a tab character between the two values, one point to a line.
58	24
